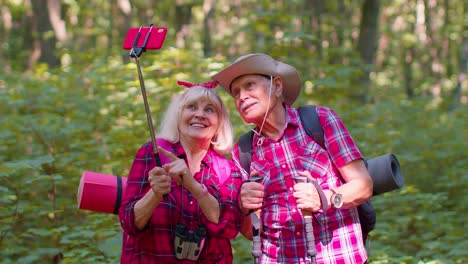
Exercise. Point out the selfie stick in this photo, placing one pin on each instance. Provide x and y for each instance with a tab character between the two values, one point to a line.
135	53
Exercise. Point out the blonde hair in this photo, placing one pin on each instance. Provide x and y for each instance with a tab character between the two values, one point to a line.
222	142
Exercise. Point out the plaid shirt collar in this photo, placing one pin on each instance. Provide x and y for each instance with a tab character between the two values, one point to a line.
180	153
292	119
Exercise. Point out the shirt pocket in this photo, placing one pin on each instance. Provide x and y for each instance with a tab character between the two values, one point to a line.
314	159
260	171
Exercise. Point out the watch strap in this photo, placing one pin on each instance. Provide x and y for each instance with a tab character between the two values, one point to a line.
332	198
323	197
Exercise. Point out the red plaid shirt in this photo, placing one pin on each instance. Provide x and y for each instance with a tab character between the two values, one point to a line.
338	237
155	243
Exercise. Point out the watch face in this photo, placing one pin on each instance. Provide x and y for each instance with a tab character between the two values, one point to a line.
337	200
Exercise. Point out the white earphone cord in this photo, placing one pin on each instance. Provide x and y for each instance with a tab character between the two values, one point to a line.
259	135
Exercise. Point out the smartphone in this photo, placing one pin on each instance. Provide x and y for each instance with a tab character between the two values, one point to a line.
155	36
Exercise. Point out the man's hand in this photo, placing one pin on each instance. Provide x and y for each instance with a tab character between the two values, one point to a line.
251	196
307	196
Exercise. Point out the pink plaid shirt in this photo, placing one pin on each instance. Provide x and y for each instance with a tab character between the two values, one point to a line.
155	243
338	237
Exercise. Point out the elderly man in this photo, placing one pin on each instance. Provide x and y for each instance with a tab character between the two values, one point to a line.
291	176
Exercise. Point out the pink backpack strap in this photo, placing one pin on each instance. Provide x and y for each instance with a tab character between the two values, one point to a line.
222	167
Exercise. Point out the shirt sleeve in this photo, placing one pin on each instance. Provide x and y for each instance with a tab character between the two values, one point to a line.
230	218
137	186
338	140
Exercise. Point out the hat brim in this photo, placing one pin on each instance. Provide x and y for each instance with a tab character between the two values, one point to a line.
262	64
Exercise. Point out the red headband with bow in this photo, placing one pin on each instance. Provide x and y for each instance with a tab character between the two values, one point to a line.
209	85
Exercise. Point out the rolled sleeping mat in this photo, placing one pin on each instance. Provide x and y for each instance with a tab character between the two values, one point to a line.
386	173
101	192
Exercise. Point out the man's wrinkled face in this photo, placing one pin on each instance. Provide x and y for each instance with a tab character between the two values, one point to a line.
251	94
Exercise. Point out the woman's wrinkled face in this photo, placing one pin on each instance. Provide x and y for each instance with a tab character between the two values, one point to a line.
199	120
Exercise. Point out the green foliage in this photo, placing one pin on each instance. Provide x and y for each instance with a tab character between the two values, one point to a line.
89	115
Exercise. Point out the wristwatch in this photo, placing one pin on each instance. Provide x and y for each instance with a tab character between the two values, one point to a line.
336	200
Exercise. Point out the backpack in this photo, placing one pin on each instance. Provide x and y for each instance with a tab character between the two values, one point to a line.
311	124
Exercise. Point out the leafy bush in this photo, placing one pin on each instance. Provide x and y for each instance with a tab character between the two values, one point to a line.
90	116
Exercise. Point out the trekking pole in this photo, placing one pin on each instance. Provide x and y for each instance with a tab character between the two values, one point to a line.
256	242
256	226
309	228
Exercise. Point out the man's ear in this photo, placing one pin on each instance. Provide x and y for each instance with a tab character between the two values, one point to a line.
278	87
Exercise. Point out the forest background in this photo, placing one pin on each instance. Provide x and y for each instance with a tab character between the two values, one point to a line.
70	102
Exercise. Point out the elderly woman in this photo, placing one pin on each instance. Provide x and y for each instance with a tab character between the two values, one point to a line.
184	211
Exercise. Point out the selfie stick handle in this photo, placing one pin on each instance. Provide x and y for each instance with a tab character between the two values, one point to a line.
135	52
148	115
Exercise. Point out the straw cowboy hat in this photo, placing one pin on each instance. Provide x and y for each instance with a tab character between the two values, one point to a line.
258	63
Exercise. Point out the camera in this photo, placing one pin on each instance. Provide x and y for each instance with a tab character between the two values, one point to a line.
188	244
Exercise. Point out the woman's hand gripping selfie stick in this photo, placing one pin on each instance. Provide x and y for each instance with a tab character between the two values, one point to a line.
135	52
101	192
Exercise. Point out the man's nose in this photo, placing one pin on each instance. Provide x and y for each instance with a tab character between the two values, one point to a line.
243	94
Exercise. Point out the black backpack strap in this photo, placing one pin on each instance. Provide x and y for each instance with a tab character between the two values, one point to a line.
311	123
313	128
245	150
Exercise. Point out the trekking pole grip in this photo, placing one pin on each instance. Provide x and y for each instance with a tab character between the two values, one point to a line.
309	229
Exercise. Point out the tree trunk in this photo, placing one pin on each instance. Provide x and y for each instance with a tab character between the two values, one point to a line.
367	43
6	25
44	44
55	17
457	92
408	55
208	23
340	31
432	64
314	9
123	21
446	54
184	14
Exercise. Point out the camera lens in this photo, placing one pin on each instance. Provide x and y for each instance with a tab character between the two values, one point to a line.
200	233
181	230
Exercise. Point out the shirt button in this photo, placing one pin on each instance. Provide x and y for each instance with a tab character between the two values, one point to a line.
298	233
191	202
291	189
283	166
293	210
